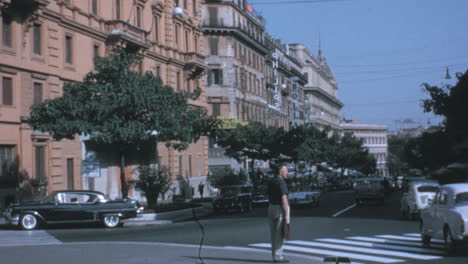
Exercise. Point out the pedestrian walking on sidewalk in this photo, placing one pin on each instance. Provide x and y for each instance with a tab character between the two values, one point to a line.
278	214
201	189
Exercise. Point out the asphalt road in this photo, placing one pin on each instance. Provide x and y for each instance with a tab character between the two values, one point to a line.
372	233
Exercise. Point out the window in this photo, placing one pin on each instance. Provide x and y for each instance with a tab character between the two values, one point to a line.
185	4
187	47
7	91
117	9
37	93
195	8
6	32
216	109
213	16
176	37
158	71
40	163
190	165
195	43
189	85
156	28
215	77
95	51
140	68
138	16
94	7
213	46
68	49
178	81
70	174
7	156
37	39
181	168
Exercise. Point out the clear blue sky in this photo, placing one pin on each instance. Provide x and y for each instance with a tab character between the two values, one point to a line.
380	51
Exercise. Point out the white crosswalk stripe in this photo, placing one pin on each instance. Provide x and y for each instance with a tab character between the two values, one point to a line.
376	249
35	237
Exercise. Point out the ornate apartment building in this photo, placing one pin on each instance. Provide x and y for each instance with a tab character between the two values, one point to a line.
45	43
235	58
321	91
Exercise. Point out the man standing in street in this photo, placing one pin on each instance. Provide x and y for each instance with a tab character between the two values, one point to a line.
201	189
278	214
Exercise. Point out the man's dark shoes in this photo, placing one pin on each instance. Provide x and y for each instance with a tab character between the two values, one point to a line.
281	260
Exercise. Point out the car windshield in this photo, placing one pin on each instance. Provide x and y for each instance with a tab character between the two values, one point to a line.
428	189
462	197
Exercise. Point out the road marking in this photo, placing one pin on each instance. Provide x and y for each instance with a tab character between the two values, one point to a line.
384	252
390	241
331	253
35	237
385	246
344	210
413	235
410	238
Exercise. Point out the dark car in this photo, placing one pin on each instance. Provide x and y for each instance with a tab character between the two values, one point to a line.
237	197
260	195
369	189
72	206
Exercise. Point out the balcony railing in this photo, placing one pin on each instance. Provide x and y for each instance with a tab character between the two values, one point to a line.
119	30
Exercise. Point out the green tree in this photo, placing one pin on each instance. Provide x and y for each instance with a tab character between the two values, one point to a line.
347	152
120	110
450	102
220	177
152	181
254	141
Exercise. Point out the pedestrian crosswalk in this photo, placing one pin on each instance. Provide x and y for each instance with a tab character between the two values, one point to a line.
35	237
374	249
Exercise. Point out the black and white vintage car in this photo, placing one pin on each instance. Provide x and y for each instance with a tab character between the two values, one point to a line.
447	216
72	206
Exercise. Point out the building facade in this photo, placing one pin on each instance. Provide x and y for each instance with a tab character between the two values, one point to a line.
235	58
47	43
375	140
321	91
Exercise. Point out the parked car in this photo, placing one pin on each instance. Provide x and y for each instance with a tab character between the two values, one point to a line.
447	216
237	197
72	206
304	198
369	189
260	195
417	198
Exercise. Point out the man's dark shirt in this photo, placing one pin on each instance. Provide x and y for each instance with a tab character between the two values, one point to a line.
277	187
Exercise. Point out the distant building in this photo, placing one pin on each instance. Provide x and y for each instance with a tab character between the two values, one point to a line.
322	106
375	140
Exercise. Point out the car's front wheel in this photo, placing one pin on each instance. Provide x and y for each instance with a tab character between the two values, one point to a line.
450	244
111	221
28	222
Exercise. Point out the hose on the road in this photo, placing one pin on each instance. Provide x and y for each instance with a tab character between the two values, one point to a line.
202	234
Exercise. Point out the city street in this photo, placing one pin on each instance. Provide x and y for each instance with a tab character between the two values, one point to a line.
367	233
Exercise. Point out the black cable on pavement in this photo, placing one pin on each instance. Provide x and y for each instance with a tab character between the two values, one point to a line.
202	236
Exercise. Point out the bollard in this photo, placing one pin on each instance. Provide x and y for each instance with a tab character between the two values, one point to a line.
336	260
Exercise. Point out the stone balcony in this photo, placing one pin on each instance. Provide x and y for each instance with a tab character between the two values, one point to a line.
123	33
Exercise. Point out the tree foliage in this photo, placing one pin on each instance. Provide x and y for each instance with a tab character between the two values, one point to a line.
220	177
450	102
120	109
152	180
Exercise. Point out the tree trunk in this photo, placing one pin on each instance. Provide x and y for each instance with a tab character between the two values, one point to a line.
252	170
152	200
123	182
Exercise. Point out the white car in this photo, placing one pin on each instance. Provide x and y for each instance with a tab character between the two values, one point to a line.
304	199
417	197
447	216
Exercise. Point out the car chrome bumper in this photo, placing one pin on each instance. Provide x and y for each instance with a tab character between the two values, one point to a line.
11	219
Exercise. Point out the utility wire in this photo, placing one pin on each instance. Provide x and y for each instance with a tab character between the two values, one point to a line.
297	2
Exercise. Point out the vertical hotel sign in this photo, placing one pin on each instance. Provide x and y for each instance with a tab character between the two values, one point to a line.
277	96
